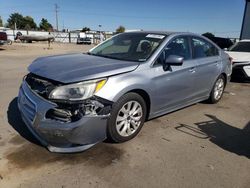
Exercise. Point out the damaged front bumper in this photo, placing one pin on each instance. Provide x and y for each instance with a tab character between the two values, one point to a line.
60	134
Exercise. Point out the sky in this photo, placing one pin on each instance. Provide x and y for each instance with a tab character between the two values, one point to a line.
221	17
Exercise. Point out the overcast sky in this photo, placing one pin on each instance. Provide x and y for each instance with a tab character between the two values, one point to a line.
221	17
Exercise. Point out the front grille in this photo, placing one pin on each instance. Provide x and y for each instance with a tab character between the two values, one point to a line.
27	107
40	85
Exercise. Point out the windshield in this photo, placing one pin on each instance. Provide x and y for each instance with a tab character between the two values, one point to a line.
241	47
129	46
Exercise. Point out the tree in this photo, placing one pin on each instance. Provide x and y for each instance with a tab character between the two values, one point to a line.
26	22
208	35
120	29
45	25
29	23
16	18
1	22
84	29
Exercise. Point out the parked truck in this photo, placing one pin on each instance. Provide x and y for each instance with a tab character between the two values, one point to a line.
3	38
83	38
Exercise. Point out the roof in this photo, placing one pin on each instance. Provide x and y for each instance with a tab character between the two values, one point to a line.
157	32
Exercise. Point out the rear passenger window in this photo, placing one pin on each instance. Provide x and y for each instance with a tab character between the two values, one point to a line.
202	48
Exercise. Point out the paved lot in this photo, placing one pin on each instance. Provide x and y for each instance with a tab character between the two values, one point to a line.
200	146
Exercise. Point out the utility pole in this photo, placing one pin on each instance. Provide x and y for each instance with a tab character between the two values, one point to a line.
56	10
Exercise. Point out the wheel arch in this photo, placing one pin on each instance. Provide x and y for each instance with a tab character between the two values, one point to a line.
145	97
225	77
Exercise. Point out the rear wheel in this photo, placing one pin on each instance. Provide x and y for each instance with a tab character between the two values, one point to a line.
127	117
218	89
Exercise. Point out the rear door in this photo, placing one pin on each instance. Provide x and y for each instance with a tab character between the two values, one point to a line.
208	65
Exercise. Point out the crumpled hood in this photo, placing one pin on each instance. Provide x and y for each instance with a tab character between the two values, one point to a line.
239	56
78	67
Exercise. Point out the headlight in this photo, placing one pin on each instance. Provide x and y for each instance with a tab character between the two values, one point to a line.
79	91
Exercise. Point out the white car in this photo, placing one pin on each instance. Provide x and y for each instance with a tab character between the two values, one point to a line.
240	52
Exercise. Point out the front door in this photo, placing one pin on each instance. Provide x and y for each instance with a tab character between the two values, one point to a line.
174	88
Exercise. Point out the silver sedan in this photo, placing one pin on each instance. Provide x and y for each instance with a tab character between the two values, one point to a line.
71	102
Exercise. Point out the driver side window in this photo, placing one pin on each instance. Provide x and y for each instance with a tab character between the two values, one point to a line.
179	47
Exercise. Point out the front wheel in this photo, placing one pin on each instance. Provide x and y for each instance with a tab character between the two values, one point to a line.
218	89
127	118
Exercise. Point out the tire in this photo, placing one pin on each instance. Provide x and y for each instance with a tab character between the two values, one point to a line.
218	90
9	42
124	123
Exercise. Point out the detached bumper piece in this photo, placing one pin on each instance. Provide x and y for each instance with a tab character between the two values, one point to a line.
64	127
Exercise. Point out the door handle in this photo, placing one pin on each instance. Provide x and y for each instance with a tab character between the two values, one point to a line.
192	69
216	63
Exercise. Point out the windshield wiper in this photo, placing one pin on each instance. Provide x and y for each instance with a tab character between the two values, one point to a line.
105	56
89	53
111	57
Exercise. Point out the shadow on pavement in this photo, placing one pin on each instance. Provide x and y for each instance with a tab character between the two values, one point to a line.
227	137
15	120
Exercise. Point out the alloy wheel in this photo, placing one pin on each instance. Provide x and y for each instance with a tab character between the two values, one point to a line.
128	119
218	89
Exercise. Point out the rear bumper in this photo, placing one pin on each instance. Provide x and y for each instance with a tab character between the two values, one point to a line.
59	136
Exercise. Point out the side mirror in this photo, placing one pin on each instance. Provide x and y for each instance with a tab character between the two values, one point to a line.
172	60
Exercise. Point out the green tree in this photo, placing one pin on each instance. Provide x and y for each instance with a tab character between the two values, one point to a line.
26	22
16	18
1	22
120	29
84	29
29	23
208	35
45	25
